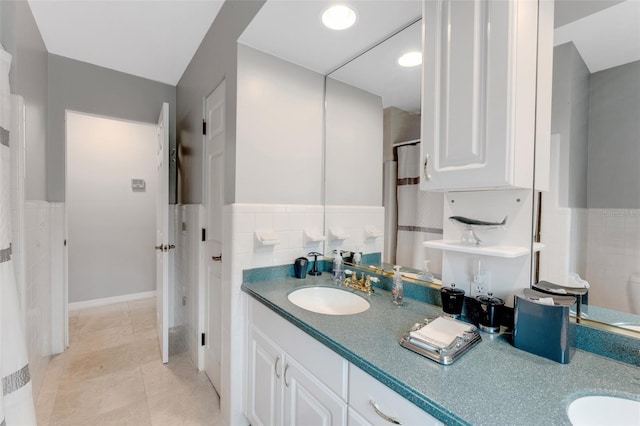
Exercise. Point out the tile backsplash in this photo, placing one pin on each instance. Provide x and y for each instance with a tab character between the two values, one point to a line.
613	254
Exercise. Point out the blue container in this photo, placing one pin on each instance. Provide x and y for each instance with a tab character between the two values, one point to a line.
543	329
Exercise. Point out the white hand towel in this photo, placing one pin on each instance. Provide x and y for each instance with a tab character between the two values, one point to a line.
441	332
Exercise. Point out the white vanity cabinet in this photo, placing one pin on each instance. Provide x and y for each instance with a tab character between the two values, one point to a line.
372	403
486	74
292	379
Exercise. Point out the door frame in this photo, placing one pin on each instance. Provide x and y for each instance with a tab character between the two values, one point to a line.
65	282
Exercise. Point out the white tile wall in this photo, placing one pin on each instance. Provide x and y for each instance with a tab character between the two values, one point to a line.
188	278
613	254
353	220
242	251
38	289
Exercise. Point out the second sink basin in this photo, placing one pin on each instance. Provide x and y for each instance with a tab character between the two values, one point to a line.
604	410
328	300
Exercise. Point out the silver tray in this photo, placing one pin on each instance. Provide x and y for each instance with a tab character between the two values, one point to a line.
445	355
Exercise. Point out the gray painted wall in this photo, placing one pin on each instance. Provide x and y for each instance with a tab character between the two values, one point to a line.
21	38
215	60
82	87
614	138
570	119
279	117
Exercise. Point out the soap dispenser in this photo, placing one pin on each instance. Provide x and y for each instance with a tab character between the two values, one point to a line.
338	271
425	274
397	290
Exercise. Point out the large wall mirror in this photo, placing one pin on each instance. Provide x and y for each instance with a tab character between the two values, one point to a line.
590	218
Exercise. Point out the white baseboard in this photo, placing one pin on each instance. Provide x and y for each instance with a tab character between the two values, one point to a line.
76	306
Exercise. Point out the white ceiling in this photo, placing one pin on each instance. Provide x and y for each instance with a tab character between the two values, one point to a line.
148	38
156	39
605	39
377	71
292	30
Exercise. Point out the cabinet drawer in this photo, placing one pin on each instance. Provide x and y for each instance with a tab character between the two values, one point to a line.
316	358
364	391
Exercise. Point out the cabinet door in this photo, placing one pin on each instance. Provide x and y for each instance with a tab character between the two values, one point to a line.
308	401
264	393
475	64
356	419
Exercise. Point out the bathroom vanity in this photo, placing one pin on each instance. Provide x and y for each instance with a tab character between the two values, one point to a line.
336	367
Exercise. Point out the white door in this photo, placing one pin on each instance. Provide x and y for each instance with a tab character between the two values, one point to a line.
214	198
162	233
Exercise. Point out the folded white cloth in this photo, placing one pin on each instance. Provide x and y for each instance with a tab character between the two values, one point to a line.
441	332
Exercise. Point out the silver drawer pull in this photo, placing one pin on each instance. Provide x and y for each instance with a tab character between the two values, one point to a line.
427	176
383	415
276	366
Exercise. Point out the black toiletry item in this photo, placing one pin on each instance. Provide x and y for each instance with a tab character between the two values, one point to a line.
300	267
315	271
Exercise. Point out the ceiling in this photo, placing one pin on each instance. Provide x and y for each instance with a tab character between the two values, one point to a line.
605	39
306	42
153	39
156	39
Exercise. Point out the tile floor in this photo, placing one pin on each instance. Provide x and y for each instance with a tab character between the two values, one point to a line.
111	374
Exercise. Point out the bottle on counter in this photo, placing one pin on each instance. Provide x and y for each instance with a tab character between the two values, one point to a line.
338	271
397	291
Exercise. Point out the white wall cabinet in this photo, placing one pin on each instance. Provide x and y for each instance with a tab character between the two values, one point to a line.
292	378
484	79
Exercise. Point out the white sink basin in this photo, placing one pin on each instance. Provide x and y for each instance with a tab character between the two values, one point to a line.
604	410
328	300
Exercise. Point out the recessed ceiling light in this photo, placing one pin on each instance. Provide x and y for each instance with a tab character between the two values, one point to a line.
410	59
339	17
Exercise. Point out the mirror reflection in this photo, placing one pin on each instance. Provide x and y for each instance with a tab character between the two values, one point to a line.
411	216
589	220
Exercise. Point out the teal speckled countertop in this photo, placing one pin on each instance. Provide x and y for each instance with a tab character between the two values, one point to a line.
494	383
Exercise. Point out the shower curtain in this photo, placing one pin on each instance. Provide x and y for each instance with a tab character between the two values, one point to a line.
419	213
16	401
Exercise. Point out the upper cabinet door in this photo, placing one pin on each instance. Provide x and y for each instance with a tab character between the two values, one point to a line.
479	94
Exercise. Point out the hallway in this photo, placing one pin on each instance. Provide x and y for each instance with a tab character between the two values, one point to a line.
111	374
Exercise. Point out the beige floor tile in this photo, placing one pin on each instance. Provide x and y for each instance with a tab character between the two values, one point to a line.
102	339
99	363
143	322
194	406
94	322
44	406
143	350
121	389
178	374
112	374
77	403
135	414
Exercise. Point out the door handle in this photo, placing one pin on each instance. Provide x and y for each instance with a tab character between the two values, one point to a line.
217	258
165	247
160	247
427	176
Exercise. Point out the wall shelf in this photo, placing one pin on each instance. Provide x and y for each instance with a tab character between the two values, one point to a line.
496	251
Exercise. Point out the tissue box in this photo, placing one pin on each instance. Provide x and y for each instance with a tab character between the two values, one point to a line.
543	329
